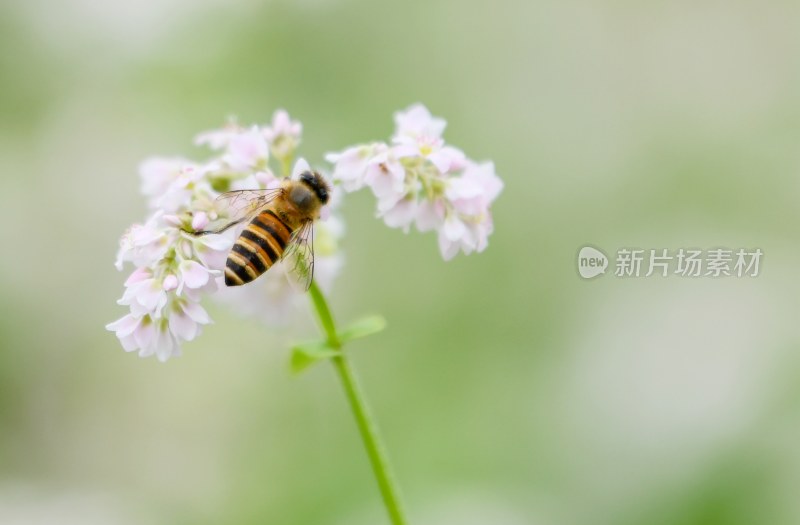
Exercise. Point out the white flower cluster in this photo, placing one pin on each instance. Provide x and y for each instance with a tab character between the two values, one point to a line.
416	177
419	179
173	268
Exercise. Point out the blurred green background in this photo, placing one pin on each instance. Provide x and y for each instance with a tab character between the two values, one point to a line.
509	390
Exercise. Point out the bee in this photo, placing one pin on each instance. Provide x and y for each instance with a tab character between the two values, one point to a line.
280	227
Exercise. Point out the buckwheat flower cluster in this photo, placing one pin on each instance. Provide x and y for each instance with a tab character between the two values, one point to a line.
418	179
174	269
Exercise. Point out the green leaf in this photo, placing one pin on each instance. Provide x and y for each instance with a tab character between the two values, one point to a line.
306	354
363	327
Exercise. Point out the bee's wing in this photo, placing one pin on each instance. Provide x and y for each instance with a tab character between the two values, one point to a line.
299	256
241	205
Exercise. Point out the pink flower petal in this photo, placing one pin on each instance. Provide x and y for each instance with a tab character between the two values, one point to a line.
220	243
453	228
429	216
463	188
474	207
138	275
406	150
458	160
124	326
151	295
325	213
384	183
182	326
417	120
300	167
199	221
128	343
447	248
170	282
441	160
164	345
173	220
194	274
267	179
401	215
197	313
247	150
145	334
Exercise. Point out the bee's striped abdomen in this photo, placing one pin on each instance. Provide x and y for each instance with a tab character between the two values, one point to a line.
260	245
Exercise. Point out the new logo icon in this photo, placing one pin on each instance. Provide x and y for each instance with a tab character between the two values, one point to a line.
591	262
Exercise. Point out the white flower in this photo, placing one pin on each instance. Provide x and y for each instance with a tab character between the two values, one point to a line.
430	215
386	176
376	166
423	181
199	221
484	178
445	158
134	332
186	320
247	150
160	337
218	139
401	214
350	166
170	182
142	244
193	275
283	126
417	121
300	167
283	134
158	174
163	291
468	220
212	250
175	269
416	178
144	294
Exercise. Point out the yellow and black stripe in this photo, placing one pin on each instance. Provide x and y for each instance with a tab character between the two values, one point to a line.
260	245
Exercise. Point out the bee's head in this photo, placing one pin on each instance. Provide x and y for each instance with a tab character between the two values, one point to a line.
317	184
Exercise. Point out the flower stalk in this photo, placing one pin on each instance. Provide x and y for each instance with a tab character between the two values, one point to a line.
415	176
366	423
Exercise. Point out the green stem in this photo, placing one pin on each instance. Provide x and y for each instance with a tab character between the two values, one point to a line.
365	422
286	165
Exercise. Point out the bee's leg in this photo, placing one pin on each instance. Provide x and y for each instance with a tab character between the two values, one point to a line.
224	228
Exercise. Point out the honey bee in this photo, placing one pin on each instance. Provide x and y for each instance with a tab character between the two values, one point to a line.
281	227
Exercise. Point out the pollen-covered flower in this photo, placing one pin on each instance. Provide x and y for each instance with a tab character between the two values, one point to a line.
418	179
